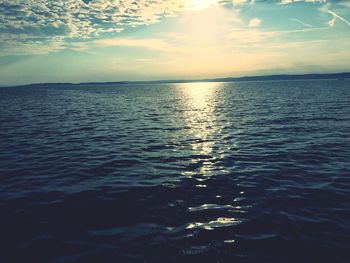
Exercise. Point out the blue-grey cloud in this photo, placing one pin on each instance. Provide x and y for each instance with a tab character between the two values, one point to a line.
24	23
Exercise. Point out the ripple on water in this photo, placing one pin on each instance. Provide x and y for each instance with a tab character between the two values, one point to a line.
219	222
199	172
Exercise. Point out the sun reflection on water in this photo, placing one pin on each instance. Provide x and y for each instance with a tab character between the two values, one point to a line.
200	95
200	101
218	223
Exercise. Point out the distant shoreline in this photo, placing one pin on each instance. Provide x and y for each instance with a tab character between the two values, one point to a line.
281	77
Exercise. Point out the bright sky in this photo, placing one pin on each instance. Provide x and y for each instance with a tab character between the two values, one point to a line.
111	40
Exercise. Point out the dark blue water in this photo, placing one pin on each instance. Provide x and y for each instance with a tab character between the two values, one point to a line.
205	172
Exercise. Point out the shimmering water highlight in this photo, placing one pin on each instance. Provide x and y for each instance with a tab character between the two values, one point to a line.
197	172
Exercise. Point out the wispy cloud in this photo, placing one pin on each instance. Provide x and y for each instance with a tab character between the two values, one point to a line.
156	44
335	17
239	2
255	22
302	23
285	2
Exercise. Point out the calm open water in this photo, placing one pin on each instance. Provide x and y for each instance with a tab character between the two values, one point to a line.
199	172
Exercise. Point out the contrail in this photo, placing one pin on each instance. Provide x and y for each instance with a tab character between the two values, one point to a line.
339	17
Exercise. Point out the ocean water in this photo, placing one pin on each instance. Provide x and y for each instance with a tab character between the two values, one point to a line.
192	172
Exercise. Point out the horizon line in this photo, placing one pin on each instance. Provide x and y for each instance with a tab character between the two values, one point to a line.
284	76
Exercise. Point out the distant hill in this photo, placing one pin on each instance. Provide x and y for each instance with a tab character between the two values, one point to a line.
339	76
291	77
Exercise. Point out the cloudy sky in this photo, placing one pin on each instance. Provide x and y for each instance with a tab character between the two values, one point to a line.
111	40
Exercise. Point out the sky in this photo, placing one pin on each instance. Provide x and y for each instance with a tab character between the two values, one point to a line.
117	40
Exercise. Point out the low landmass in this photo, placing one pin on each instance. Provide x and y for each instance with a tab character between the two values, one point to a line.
338	76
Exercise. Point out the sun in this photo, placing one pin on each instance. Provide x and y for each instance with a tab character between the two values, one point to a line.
201	4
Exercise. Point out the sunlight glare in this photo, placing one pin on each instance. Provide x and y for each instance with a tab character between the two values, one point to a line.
201	4
200	100
200	94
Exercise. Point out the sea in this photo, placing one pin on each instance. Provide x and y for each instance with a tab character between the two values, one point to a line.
171	173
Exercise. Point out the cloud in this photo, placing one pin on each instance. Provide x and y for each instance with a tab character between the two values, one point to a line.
302	23
239	2
255	22
156	44
335	17
285	2
24	23
42	26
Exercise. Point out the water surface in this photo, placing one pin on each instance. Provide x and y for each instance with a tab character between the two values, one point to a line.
197	172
